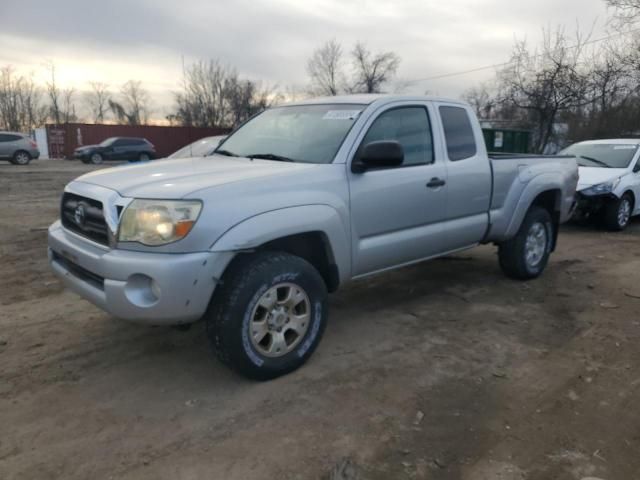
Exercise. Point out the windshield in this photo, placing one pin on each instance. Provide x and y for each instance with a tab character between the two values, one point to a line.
606	155
199	148
306	133
108	142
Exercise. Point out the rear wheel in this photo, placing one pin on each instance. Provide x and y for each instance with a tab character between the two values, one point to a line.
525	256
21	158
617	213
96	159
268	315
144	157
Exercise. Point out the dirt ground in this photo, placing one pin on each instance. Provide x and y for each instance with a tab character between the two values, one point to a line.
445	370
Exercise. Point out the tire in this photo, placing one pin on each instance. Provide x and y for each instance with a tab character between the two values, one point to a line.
21	158
617	213
96	159
251	299
144	157
525	256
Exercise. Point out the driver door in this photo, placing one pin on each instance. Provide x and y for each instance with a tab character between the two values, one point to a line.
397	213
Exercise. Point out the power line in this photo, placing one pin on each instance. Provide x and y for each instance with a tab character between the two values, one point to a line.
504	64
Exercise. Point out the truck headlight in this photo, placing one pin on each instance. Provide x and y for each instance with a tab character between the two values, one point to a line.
602	188
158	222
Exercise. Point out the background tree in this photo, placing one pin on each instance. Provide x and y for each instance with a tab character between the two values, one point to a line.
54	94
626	11
97	99
214	95
133	107
481	99
545	83
372	71
325	69
21	106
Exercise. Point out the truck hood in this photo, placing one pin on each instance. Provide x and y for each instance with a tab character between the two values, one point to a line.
180	177
590	176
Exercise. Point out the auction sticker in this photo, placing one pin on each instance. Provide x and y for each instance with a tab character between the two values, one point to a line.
341	114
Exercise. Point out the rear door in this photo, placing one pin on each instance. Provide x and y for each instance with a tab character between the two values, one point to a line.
396	213
469	176
121	149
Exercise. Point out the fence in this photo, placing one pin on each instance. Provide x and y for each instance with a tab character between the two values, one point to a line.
62	140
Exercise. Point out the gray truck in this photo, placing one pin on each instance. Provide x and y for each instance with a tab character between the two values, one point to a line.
298	201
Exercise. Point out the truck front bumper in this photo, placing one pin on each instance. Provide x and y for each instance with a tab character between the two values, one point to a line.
143	287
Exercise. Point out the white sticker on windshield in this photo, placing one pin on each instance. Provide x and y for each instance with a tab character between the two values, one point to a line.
624	147
341	114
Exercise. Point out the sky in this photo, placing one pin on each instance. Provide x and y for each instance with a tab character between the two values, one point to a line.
113	41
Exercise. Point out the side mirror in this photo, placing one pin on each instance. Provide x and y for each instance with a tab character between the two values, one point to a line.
380	154
636	169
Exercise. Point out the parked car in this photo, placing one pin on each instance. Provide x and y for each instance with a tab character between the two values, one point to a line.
116	148
199	148
295	203
609	185
18	148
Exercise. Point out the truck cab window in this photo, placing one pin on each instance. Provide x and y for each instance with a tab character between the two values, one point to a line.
458	133
410	127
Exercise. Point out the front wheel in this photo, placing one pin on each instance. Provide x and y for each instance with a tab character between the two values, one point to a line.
21	158
96	159
268	315
144	157
525	256
617	213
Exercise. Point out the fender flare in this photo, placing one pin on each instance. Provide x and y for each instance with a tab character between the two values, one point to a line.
539	184
272	225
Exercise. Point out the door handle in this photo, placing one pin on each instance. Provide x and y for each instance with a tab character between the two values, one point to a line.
436	182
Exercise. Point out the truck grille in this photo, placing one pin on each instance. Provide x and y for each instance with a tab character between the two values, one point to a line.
85	217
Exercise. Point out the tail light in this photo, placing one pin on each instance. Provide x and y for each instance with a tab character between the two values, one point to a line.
33	144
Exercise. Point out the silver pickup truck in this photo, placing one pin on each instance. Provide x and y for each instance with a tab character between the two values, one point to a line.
299	200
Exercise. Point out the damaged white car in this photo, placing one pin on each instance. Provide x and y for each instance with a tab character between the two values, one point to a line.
609	184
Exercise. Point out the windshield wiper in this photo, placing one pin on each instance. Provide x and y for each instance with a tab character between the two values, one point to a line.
595	160
227	153
270	156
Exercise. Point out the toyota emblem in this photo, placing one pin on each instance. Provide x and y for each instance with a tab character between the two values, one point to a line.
79	215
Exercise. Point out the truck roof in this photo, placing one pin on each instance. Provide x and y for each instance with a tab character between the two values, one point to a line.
369	98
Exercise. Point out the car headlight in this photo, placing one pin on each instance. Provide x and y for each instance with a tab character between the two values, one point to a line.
602	188
158	222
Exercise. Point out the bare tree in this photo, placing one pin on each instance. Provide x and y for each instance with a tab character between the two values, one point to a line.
372	71
54	95
214	95
325	69
202	99
133	108
68	110
626	11
481	99
546	83
21	107
98	101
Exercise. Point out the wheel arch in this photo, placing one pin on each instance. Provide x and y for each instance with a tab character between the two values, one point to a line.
549	198
629	192
313	232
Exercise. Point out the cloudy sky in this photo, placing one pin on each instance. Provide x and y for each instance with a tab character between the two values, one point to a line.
270	40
